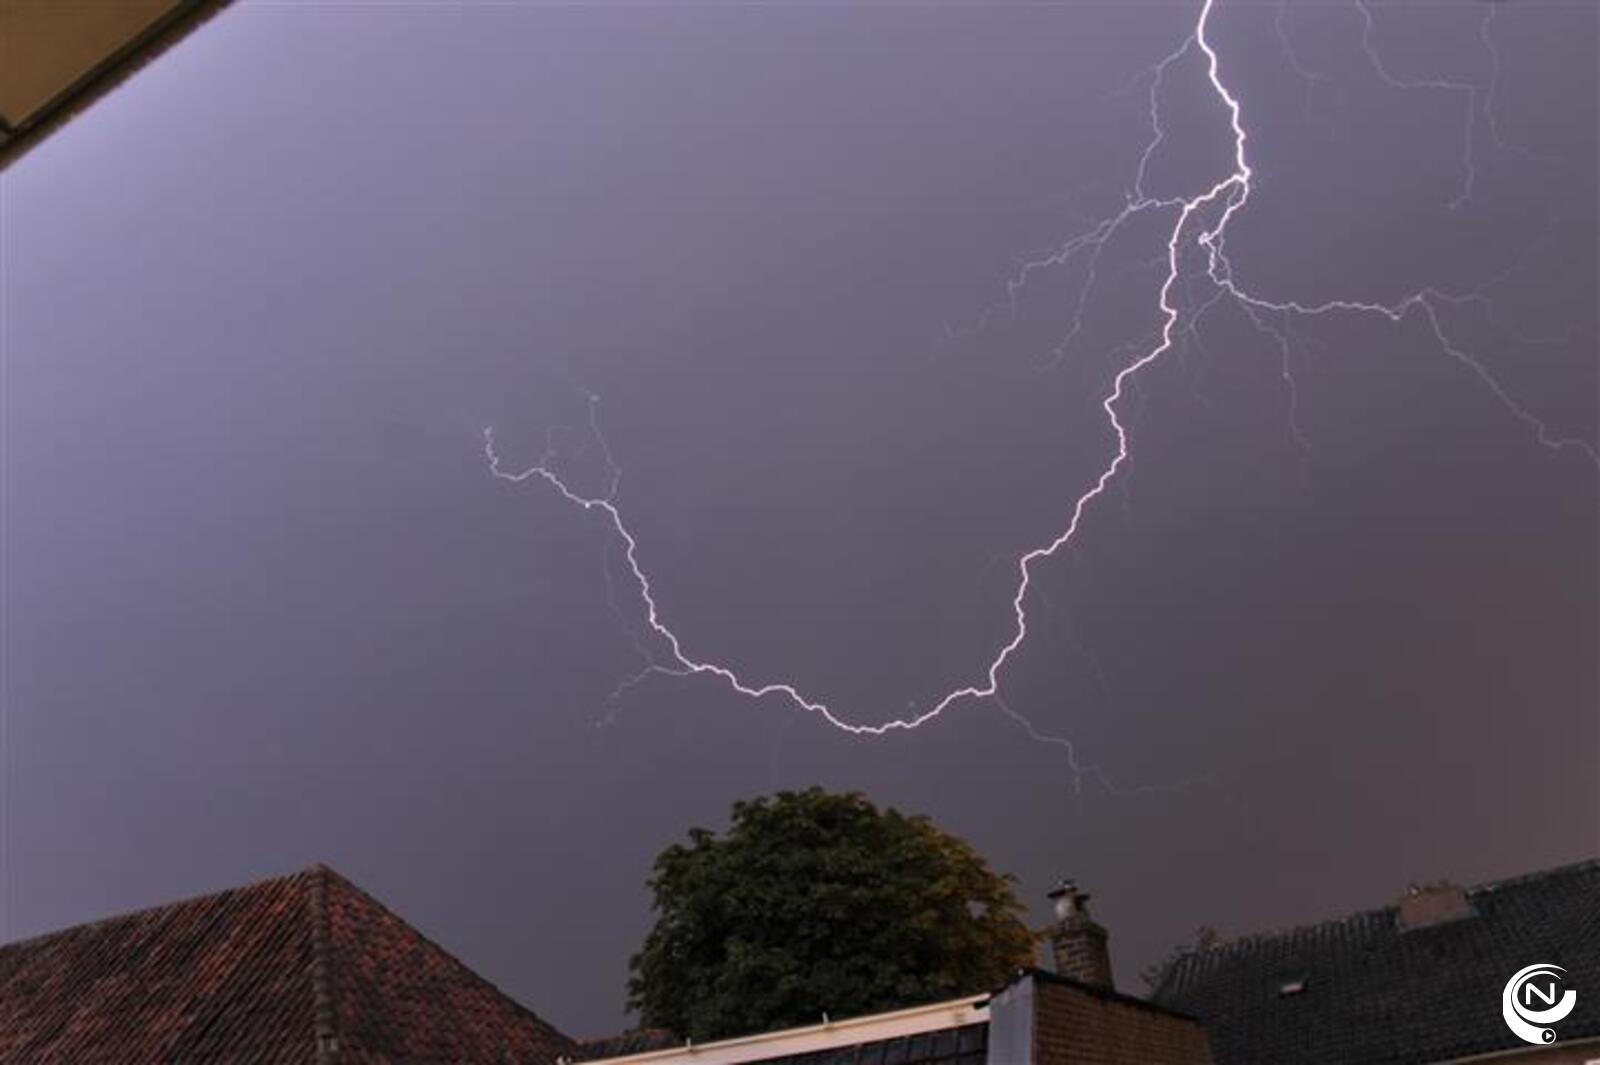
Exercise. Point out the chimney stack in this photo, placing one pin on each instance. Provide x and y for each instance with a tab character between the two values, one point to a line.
1430	904
1078	943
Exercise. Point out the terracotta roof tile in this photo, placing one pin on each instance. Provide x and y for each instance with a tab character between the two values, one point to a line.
300	969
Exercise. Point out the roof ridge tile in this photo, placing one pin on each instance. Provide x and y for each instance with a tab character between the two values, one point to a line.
325	1013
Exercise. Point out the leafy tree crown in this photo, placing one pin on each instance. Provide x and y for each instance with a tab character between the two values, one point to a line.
815	902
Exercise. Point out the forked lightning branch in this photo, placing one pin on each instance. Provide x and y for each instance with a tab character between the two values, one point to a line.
1195	251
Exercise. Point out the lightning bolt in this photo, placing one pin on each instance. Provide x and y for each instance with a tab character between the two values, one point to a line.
1198	228
1311	78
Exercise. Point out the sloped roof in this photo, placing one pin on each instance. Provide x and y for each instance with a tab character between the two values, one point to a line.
302	968
634	1041
56	58
1371	991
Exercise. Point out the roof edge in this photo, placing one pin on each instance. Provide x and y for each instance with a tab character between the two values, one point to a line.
1110	994
116	68
1256	939
867	1028
1377	911
1514	1054
333	878
94	922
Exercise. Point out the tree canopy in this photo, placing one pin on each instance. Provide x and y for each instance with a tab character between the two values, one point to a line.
815	902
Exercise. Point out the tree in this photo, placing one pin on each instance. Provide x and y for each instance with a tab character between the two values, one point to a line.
813	903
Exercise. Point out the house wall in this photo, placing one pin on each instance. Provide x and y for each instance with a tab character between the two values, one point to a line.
1073	1025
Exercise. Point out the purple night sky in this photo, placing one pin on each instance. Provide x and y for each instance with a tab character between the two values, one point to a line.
1331	629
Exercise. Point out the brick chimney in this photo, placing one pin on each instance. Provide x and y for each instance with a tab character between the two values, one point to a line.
1077	942
1427	904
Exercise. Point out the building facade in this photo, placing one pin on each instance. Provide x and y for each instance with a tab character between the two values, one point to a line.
308	969
1038	1018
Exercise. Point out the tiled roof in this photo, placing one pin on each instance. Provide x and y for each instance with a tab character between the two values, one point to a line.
303	968
635	1041
1367	991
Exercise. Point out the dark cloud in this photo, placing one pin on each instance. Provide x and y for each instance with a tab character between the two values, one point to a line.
265	606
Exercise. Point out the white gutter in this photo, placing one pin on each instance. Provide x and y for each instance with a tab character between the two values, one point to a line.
974	1009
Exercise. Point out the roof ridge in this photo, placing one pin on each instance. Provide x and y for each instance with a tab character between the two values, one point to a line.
1255	938
171	904
1587	864
305	964
336	879
1269	996
325	1014
1109	994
